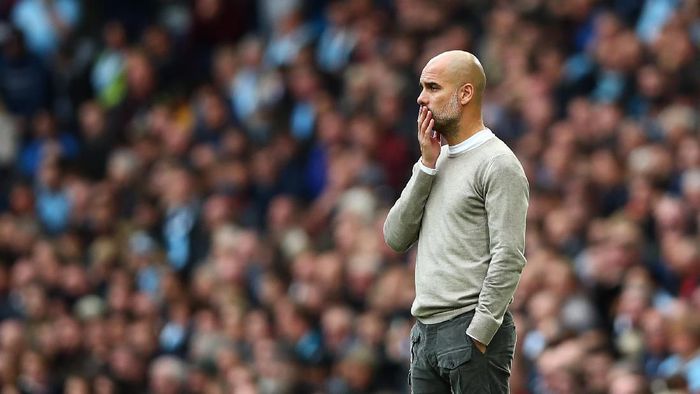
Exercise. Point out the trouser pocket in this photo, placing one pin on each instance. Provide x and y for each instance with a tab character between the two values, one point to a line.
454	346
458	360
454	358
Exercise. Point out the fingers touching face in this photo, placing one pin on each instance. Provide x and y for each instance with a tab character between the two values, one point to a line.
425	122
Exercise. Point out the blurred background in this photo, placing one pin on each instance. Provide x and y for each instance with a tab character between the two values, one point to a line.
192	192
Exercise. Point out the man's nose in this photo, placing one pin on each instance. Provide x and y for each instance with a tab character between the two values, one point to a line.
421	99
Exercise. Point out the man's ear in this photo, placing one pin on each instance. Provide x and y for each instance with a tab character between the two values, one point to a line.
466	93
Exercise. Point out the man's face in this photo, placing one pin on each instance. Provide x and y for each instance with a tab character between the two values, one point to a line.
447	116
441	98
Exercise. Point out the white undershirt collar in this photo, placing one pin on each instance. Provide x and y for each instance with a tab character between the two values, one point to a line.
472	142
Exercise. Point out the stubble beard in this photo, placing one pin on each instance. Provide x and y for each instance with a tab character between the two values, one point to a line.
447	118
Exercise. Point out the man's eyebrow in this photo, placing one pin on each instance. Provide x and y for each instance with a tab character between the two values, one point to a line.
428	83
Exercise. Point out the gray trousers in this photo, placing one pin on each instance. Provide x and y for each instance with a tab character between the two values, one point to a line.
445	360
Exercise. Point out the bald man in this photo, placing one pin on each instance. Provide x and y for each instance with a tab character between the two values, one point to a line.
465	206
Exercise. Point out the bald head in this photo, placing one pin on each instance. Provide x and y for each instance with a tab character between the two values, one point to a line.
459	68
452	88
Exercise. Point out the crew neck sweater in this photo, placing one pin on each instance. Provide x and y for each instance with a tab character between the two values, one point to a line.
468	220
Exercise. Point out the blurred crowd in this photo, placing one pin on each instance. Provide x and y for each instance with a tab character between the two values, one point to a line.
192	191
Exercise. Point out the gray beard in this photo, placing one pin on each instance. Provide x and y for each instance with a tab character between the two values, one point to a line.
447	127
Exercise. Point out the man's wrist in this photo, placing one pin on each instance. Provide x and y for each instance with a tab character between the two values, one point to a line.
430	170
428	163
479	345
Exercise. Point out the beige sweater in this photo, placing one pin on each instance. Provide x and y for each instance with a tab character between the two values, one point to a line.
469	221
